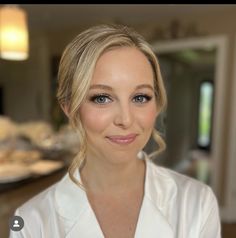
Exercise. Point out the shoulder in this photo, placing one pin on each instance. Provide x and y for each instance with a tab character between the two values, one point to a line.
36	211
45	214
41	201
37	208
183	201
182	183
175	188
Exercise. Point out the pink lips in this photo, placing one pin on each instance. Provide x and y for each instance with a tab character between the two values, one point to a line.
122	139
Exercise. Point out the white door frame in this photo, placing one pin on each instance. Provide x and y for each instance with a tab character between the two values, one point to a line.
230	213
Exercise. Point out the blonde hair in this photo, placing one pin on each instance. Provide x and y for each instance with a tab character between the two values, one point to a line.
76	68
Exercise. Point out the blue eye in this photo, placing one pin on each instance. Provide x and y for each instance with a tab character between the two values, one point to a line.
142	98
100	99
103	99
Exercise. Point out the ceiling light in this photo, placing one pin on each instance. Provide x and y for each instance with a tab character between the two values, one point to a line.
14	43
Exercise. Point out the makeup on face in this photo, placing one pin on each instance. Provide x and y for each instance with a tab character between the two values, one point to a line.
120	109
102	97
122	139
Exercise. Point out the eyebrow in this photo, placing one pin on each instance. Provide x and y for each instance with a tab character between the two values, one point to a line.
106	87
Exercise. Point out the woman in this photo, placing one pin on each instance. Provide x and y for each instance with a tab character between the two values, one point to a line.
111	89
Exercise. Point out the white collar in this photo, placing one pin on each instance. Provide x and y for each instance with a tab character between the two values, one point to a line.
78	217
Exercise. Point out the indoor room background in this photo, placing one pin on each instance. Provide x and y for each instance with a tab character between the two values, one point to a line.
196	49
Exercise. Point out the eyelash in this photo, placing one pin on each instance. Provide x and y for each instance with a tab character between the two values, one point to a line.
95	97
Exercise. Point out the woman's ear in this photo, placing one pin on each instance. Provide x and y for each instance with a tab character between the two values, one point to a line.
65	109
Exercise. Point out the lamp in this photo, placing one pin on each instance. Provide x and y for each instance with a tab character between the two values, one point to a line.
14	43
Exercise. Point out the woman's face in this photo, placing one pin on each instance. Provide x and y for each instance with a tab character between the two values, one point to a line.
120	111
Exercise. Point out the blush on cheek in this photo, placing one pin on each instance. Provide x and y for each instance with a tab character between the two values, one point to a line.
94	121
148	118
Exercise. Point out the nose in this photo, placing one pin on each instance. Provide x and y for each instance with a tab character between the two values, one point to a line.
124	116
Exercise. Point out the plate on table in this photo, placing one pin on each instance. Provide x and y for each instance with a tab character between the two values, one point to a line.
44	167
13	172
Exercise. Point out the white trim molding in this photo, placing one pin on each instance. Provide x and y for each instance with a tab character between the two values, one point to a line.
230	214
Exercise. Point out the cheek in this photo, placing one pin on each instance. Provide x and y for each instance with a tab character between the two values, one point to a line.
147	118
94	120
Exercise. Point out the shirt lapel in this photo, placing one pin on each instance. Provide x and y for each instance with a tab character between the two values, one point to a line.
152	220
152	223
86	226
75	214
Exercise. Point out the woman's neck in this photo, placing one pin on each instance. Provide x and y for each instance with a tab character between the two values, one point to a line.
100	176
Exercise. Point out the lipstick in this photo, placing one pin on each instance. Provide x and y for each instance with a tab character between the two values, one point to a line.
122	140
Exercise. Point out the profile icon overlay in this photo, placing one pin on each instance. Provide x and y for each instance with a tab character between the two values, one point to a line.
16	223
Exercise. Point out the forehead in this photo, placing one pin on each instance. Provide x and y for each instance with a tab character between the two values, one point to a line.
126	66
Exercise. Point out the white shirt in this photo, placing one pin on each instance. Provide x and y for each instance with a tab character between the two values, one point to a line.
174	206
